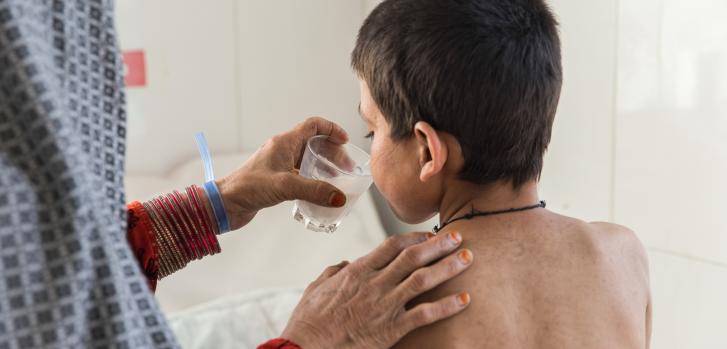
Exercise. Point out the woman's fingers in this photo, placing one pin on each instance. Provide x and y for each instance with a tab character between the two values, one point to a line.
315	126
296	187
421	255
383	254
425	279
327	274
428	313
332	270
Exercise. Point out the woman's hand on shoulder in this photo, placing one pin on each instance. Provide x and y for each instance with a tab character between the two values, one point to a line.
363	304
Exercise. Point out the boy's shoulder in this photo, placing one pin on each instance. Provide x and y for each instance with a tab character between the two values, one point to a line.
618	236
602	244
618	244
613	229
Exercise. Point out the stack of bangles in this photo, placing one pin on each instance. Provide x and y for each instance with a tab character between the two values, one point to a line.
177	227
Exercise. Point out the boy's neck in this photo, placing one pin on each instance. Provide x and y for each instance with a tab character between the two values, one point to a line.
461	197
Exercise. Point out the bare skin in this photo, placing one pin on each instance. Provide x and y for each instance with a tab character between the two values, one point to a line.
540	280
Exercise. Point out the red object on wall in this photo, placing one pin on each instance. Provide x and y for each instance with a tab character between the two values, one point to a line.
134	68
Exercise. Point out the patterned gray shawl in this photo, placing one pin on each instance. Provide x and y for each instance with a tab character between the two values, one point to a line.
68	278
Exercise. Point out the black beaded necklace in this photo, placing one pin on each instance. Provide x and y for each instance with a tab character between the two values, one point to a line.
474	213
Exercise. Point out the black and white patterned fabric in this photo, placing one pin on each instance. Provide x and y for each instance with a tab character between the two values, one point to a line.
68	278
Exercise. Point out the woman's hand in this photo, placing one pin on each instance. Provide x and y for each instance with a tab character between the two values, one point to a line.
362	304
270	176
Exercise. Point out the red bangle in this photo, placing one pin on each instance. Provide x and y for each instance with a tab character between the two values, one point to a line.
165	251
279	343
208	233
187	225
207	217
187	233
175	239
181	236
187	214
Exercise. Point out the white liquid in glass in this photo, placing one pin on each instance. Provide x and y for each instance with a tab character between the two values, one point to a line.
344	166
323	219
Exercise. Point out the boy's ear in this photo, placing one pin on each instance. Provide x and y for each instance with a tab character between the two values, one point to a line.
431	150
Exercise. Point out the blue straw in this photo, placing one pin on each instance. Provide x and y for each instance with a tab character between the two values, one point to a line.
210	187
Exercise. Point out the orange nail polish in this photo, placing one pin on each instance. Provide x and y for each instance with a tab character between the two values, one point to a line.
455	237
463	298
337	200
430	236
465	256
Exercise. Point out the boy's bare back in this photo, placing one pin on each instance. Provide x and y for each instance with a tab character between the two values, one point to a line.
542	280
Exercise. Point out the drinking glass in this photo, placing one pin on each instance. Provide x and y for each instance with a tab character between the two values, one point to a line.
343	165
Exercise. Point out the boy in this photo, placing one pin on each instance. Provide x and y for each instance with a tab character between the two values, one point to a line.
459	97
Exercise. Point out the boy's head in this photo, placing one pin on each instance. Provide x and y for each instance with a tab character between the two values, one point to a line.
456	90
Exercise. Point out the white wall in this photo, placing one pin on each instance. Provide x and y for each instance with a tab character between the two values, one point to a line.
294	62
191	58
671	160
241	71
577	176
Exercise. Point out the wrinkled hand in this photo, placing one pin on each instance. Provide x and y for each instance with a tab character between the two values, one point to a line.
271	176
362	304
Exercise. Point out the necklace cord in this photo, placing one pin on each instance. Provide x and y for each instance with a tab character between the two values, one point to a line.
474	213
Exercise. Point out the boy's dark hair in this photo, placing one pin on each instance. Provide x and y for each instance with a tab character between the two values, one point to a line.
486	71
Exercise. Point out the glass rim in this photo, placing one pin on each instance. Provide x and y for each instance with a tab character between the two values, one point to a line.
330	163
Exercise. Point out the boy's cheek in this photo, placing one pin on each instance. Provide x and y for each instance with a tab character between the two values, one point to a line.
388	175
399	184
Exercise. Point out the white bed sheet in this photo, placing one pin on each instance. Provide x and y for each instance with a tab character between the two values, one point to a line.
241	321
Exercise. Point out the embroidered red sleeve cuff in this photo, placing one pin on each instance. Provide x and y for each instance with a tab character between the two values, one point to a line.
279	343
142	242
